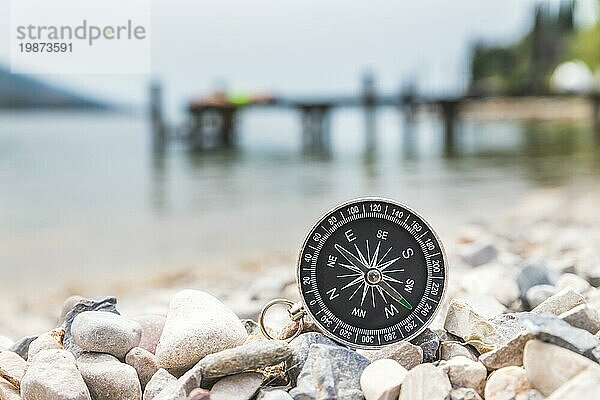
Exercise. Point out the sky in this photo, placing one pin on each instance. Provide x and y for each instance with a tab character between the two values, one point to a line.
306	47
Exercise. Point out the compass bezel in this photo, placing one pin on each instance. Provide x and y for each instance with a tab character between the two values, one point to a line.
426	224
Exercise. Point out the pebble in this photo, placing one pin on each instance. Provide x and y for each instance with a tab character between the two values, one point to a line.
199	394
46	341
548	366
538	294
406	354
107	378
300	347
506	384
509	354
276	394
582	317
464	372
53	375
585	385
381	380
143	362
573	281
477	254
493	279
559	303
449	349
429	342
533	275
485	305
105	332
248	357
160	380
197	324
465	323
236	387
152	327
330	372
68	305
425	382
12	368
21	347
464	394
8	392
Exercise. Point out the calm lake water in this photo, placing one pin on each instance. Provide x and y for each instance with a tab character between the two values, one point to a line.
84	196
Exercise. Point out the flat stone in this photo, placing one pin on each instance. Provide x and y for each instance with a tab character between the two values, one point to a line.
449	349
577	283
585	385
160	380
483	304
425	382
106	304
21	346
381	380
582	317
509	354
46	341
506	383
533	275
107	378
406	354
236	387
479	253
53	375
152	327
464	372
199	394
197	325
464	394
144	364
548	366
276	394
12	368
330	372
249	357
300	347
429	342
105	332
561	302
538	294
464	322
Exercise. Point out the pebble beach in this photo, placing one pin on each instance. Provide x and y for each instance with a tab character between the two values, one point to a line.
520	320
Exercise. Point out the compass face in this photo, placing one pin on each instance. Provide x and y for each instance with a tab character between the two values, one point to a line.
371	273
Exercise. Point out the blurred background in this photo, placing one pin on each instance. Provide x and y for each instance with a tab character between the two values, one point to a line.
260	116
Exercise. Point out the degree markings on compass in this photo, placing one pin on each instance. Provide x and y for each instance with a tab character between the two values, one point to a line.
312	247
425	297
423	234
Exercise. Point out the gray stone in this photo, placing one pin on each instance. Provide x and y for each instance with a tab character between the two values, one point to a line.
250	325
330	372
585	385
573	281
464	372
107	378
591	271
12	368
52	375
21	347
381	380
199	394
509	354
477	254
506	383
249	357
425	382
300	348
236	387
548	366
106	304
152	327
561	302
464	394
68	305
160	380
197	325
450	349
405	353
276	394
429	342
46	341
538	294
143	362
583	317
104	332
532	275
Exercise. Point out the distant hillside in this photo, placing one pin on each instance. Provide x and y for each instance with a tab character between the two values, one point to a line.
22	91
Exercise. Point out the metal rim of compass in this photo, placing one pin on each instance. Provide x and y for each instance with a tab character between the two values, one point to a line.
299	262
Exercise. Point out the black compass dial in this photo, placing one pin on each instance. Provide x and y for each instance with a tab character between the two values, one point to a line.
372	272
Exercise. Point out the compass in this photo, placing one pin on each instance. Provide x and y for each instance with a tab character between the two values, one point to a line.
371	272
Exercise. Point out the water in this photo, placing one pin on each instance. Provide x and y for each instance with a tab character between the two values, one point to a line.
84	196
